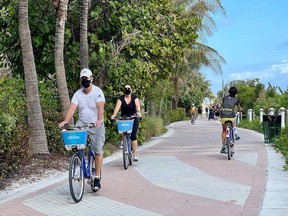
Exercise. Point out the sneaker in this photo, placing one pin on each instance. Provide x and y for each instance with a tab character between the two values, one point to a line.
135	159
223	149
92	176
237	137
121	144
97	183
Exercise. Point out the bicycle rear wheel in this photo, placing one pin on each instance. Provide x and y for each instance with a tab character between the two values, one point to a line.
76	178
125	152
228	146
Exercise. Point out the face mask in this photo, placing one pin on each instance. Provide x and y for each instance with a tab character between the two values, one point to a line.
127	91
85	83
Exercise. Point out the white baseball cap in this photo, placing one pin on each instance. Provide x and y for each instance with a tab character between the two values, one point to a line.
85	72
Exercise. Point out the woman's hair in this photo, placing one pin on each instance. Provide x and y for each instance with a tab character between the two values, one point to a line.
233	91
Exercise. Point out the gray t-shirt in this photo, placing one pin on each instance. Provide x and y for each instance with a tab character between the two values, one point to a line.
88	111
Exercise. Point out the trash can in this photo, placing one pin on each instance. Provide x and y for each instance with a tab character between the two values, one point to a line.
271	127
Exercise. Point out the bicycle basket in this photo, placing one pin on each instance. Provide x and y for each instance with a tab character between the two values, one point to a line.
75	139
125	126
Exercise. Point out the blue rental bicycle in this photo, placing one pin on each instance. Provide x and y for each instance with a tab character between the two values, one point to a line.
125	126
80	168
229	143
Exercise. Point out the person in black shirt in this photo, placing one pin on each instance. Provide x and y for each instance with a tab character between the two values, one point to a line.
227	113
130	105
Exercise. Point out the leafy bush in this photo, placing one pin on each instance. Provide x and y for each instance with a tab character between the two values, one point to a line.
174	115
281	144
253	125
52	115
154	127
13	130
14	133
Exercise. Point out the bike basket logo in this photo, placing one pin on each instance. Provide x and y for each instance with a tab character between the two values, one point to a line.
73	137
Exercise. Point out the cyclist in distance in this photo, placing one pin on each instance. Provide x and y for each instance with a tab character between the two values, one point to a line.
193	112
130	106
227	113
90	101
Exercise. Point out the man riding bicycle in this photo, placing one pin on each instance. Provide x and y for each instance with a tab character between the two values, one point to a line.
227	113
90	102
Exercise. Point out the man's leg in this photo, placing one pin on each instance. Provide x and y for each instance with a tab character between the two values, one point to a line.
98	139
98	164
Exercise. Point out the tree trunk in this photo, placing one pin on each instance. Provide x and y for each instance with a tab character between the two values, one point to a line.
59	57
84	53
152	107
175	98
38	140
160	107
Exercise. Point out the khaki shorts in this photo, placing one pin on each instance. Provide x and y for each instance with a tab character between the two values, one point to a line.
223	120
97	136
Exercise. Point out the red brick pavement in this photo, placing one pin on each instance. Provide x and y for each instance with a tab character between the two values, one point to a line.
197	146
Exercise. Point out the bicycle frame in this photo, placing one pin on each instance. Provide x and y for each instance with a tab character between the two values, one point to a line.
87	169
125	127
80	167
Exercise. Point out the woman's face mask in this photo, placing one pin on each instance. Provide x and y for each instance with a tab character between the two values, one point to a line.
127	91
85	83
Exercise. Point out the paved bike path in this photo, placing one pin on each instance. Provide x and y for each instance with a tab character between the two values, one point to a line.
180	173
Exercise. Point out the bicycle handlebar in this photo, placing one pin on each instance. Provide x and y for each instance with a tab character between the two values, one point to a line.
72	127
125	117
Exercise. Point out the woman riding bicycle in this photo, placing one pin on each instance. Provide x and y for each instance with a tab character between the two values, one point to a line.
130	105
193	113
227	113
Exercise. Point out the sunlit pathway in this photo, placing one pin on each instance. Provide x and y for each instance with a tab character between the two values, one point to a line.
181	173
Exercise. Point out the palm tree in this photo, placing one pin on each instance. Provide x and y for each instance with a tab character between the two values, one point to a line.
38	140
199	54
61	13
84	47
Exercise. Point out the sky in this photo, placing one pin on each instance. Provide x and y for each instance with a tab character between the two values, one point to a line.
253	39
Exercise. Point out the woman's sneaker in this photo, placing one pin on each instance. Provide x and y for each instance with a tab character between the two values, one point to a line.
223	149
121	144
237	137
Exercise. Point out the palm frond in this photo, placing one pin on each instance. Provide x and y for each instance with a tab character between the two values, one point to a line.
203	55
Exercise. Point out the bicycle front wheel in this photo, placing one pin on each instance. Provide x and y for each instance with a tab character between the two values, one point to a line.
130	154
76	178
125	153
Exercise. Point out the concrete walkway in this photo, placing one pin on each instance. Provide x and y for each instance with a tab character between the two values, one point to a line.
180	173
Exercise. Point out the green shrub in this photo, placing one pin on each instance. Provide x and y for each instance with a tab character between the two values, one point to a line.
174	115
13	129
14	133
154	127
281	144
52	115
253	125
